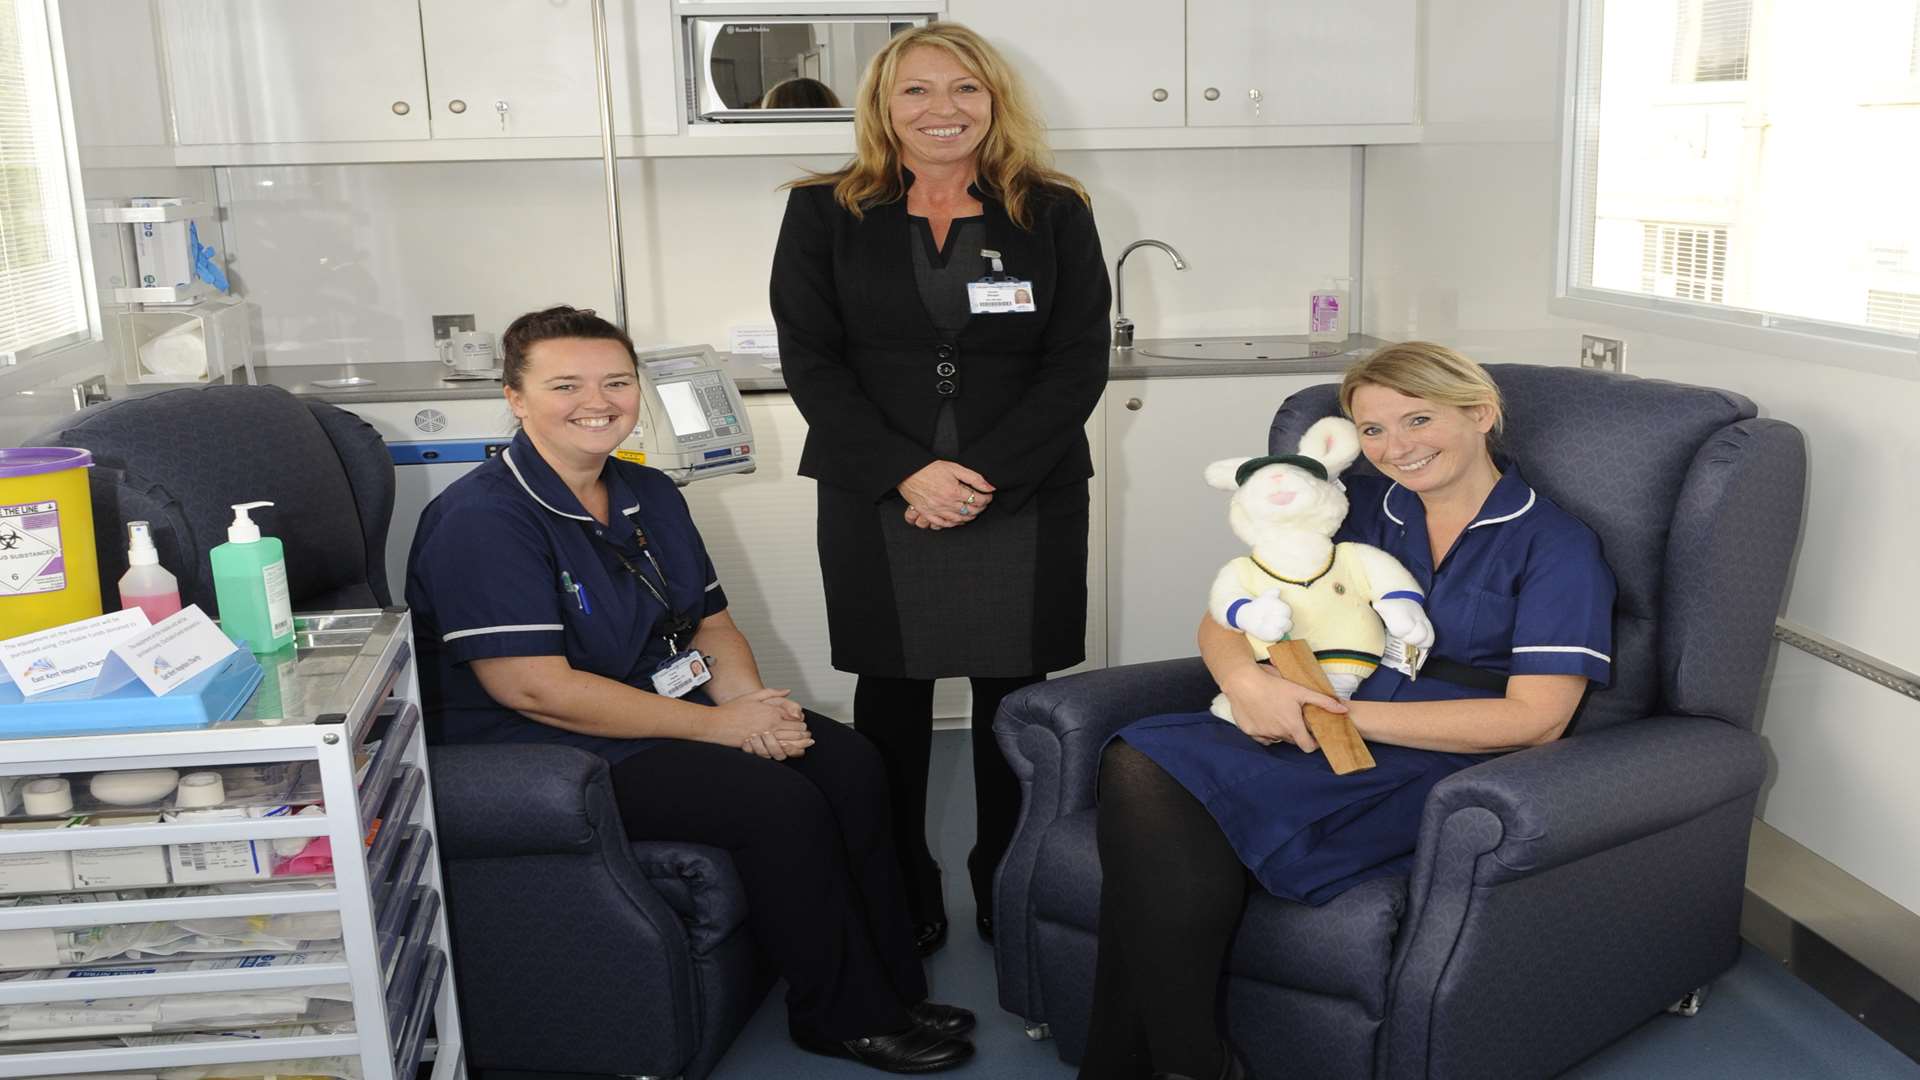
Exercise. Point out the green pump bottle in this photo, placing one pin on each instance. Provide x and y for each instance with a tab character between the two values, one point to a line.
250	585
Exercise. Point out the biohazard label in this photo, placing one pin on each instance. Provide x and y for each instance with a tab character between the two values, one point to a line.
30	558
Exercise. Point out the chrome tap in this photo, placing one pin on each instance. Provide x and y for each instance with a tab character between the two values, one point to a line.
1123	326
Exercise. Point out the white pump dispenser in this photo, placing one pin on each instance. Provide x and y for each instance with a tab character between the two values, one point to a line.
243	530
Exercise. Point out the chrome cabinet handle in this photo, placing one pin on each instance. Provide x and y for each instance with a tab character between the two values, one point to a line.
1212	93
456	106
1159	94
401	108
1134	404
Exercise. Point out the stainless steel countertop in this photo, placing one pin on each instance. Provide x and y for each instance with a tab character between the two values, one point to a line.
427	381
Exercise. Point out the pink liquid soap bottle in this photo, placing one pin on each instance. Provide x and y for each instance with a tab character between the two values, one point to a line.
146	584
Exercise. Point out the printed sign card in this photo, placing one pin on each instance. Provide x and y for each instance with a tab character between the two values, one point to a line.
176	649
64	655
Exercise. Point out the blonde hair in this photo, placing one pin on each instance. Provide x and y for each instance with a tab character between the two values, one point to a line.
1424	370
1013	161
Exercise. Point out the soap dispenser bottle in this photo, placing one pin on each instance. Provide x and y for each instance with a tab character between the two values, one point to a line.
250	585
146	584
1327	314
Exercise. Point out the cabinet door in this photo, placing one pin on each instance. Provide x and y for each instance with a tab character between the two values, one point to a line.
1088	63
523	68
1167	532
113	73
1308	61
255	71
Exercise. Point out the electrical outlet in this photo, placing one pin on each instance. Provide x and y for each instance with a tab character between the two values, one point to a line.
445	325
1604	354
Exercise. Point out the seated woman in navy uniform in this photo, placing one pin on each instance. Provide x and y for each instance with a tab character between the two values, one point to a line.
1191	807
563	595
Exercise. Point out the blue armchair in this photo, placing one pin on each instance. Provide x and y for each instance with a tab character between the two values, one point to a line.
1560	895
576	951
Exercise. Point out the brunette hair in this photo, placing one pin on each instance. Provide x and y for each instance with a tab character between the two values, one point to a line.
1435	373
555	322
1013	162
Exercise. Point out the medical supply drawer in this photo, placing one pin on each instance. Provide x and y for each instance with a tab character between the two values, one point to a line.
261	895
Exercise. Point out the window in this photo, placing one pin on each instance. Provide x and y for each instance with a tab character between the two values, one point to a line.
1684	261
1896	311
1710	40
1743	164
43	301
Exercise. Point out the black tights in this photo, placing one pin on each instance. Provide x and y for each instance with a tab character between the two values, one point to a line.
1171	894
896	715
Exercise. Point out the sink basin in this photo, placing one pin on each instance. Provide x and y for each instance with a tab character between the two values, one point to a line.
1238	348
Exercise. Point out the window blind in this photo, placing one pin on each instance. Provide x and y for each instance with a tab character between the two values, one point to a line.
1710	40
1896	311
1686	262
42	299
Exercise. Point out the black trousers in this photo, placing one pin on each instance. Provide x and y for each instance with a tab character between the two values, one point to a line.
812	840
897	714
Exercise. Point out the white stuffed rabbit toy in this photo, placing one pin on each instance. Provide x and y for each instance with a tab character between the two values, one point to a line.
1296	581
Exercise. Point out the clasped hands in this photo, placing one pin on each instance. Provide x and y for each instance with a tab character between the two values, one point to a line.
944	495
763	722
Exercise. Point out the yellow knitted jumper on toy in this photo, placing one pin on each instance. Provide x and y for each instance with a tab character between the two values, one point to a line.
1330	610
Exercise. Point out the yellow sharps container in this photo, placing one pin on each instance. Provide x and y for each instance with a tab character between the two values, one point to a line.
48	575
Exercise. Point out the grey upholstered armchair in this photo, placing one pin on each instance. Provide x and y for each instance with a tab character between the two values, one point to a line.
1560	895
180	458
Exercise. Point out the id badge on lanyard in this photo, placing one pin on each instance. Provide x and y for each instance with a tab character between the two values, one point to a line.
998	292
682	670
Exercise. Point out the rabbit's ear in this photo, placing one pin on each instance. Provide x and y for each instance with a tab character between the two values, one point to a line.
1220	474
1333	441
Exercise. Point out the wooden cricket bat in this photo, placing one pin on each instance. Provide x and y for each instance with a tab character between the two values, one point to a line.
1346	751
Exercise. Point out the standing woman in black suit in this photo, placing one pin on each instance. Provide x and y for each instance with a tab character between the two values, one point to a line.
942	307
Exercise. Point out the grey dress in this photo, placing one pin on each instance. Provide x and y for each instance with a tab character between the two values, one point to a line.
965	595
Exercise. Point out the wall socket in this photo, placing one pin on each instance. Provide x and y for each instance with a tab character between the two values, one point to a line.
445	325
1604	354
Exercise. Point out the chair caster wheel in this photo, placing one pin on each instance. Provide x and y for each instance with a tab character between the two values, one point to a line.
1039	1032
1689	1003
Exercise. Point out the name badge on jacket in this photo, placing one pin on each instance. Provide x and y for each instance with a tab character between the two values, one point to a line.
999	297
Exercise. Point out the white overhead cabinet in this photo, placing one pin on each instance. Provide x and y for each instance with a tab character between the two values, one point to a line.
1284	62
246	71
515	69
1091	63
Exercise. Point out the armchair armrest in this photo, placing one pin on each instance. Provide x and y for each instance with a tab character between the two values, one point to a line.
1580	796
495	800
1608	865
1051	733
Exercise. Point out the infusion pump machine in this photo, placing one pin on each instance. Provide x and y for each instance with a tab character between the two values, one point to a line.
693	424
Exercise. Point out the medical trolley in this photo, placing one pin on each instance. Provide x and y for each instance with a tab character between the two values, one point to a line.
331	747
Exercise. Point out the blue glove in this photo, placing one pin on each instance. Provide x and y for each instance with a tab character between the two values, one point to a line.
204	266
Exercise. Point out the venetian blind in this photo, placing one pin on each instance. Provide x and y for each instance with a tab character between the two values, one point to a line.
1710	40
42	300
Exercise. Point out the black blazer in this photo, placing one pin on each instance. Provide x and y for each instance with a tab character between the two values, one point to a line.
863	361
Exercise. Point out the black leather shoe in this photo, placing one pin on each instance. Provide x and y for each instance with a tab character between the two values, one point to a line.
915	1050
949	1020
929	936
985	924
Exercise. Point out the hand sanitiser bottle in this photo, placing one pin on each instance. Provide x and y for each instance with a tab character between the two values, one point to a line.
1327	314
250	585
146	584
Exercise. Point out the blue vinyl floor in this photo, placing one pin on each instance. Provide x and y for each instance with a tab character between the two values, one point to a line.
1759	1021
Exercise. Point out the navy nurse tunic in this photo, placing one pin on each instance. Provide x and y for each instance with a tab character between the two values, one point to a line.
1524	591
484	580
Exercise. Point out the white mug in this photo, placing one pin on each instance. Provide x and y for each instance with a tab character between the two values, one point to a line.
467	350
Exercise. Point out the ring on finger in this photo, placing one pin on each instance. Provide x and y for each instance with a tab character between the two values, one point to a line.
971	495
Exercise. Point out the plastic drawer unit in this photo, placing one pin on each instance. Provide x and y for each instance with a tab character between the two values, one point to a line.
288	922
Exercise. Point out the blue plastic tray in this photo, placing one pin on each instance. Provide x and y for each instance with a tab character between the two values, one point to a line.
207	698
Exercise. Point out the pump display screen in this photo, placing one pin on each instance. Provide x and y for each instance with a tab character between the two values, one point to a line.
684	410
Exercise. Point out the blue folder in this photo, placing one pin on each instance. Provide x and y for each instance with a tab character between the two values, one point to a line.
212	696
